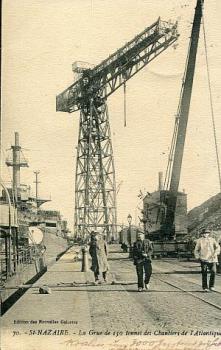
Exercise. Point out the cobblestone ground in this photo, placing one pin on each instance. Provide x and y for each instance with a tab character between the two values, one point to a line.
162	307
119	307
64	303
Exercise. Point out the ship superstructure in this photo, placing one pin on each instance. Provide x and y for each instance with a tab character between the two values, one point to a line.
31	237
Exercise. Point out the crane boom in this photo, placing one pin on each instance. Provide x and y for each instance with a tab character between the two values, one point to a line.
95	185
101	81
182	115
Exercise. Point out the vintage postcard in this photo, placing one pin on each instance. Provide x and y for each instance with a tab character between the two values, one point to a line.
111	175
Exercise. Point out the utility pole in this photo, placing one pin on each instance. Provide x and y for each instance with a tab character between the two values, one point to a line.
37	172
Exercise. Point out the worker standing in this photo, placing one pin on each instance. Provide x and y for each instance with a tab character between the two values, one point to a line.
142	252
207	251
98	252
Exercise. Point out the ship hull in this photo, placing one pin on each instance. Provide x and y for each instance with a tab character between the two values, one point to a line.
28	273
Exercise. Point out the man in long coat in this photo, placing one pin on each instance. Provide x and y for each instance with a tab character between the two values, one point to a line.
98	252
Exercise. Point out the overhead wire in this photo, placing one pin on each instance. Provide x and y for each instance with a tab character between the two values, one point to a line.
211	102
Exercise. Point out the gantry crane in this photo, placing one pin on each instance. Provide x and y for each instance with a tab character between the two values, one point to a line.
95	189
177	146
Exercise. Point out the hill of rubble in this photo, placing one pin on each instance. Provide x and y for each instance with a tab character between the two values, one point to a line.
206	215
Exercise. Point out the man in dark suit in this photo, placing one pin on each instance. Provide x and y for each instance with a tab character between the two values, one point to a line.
142	252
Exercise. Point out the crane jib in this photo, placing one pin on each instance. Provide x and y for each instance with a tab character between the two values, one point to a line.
110	74
182	117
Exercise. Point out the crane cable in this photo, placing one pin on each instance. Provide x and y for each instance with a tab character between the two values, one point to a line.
125	105
211	103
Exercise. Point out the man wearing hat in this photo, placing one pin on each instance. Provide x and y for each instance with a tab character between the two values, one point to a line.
98	252
142	251
207	250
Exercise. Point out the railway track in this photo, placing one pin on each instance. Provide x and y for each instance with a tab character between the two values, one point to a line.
191	293
177	263
187	267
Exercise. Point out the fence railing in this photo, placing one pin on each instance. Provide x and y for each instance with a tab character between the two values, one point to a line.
10	264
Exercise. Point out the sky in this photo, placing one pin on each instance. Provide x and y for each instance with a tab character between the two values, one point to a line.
41	40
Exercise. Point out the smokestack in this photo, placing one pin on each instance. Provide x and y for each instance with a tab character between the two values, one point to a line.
160	177
16	138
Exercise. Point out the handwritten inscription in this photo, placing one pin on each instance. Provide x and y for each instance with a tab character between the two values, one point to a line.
154	344
115	339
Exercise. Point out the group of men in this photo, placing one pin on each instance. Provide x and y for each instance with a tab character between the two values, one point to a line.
206	251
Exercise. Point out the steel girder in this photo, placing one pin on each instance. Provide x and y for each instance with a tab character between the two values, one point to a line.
109	75
95	189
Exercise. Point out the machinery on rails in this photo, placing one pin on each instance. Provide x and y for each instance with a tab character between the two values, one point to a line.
165	210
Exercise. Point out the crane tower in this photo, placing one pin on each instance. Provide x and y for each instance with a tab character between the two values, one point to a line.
95	188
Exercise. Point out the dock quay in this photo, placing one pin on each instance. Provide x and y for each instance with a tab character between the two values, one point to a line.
75	307
110	175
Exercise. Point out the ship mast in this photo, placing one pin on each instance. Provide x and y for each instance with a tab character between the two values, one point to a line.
16	163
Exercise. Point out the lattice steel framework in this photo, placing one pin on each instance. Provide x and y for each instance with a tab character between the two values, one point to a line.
95	190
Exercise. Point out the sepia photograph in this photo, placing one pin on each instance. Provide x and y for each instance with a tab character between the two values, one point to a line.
110	175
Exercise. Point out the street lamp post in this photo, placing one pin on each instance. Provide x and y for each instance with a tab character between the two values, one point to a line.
129	219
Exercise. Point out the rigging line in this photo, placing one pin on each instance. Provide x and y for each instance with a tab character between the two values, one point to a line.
9	173
23	156
170	157
211	103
